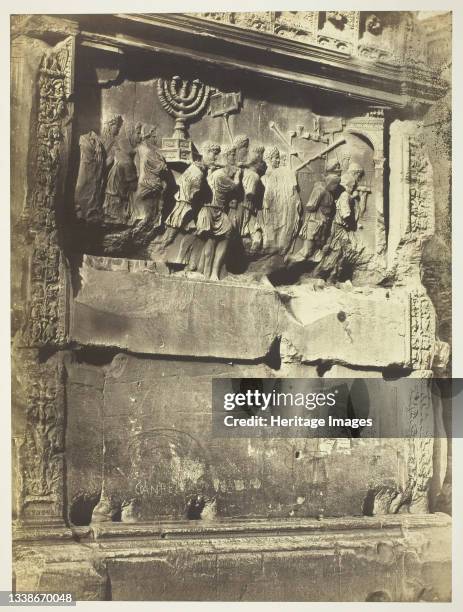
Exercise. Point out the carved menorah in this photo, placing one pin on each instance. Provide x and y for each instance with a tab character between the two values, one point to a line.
183	99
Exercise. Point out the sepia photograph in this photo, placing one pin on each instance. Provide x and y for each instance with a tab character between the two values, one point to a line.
231	306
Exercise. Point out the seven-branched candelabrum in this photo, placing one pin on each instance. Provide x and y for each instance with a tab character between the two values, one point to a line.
183	99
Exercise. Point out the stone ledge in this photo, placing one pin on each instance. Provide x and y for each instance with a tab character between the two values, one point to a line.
133	306
225	528
264	527
406	557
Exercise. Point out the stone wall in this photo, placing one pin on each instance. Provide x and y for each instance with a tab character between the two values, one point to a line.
188	205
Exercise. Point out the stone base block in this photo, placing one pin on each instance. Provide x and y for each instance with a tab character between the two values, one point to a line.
395	558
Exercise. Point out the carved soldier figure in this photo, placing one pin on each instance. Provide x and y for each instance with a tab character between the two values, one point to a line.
147	202
190	186
243	214
241	144
320	210
213	223
343	247
272	159
359	193
122	179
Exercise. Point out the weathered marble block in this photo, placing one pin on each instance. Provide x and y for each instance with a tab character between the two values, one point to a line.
149	312
346	326
151	448
152	313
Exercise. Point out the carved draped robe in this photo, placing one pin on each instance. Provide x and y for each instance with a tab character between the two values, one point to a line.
212	218
243	215
189	185
90	180
319	214
120	187
343	246
147	202
281	210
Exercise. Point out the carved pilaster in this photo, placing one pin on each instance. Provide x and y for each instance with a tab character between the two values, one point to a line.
421	441
371	126
43	139
46	311
421	190
411	198
39	402
422	330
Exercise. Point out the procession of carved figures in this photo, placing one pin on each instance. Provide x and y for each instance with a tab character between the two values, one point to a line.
197	206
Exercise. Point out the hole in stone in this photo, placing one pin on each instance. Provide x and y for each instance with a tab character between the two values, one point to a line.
369	503
395	373
98	356
323	367
117	516
378	596
194	508
273	357
341	316
297	454
246	385
82	509
283	276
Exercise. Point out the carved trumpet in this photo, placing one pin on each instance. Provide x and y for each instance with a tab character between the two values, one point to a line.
323	152
273	126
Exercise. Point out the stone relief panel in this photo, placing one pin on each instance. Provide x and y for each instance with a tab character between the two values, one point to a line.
338	30
296	25
377	37
241	185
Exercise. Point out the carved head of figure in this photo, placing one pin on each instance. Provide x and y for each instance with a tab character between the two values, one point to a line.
128	140
373	24
356	170
334	168
256	159
148	133
332	182
209	152
272	157
112	126
134	133
337	18
345	162
348	182
241	144
229	155
257	154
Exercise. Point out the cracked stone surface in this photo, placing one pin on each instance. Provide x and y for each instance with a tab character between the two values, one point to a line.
172	315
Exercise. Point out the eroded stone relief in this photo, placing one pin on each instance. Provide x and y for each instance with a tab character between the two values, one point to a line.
185	203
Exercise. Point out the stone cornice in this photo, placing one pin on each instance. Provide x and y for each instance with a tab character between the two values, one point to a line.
228	47
392	84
